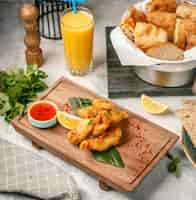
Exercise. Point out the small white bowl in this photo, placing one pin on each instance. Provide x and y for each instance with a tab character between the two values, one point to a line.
39	123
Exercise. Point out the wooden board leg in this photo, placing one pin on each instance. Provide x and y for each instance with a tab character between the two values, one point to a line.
104	186
36	146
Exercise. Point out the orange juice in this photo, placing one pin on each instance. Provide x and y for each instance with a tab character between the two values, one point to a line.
77	32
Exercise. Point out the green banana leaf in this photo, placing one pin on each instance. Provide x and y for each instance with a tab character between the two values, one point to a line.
110	156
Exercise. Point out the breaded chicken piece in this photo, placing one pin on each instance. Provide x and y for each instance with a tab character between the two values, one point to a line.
190	26
162	5
180	34
128	22
182	29
102	104
165	20
82	131
87	112
117	116
111	138
186	11
191	40
147	35
101	123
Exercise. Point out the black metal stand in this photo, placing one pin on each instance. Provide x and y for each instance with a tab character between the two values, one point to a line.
49	18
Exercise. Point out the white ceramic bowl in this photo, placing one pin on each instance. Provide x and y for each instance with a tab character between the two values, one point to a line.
39	123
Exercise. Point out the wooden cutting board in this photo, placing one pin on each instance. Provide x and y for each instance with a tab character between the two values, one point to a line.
143	146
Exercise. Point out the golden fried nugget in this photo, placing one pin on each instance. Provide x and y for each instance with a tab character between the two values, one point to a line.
102	104
128	21
190	26
127	29
101	122
82	131
186	11
137	15
162	5
87	112
165	20
180	34
147	35
117	116
112	138
191	41
182	29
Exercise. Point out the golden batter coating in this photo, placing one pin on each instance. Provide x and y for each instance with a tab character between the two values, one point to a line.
147	35
128	21
183	28
165	20
180	34
87	112
191	41
187	11
82	131
102	143
162	5
117	116
102	104
101	123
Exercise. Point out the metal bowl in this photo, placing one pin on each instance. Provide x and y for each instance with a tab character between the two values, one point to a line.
165	78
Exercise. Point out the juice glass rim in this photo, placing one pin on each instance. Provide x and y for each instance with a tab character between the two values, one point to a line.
79	8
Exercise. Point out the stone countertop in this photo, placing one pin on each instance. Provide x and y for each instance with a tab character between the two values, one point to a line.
158	185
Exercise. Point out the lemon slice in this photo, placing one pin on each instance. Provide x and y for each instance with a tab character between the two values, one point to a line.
67	120
152	106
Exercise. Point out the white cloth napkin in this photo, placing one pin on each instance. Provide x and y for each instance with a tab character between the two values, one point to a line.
24	172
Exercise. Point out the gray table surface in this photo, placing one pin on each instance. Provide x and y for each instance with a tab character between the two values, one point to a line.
158	185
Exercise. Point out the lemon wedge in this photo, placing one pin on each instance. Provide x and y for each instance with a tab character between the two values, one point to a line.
152	106
67	120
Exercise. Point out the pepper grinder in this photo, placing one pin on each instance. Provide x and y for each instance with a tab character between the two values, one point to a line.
33	52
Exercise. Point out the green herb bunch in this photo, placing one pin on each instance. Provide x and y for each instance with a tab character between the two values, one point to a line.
18	87
174	165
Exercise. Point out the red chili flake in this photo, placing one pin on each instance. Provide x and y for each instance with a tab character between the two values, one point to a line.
141	148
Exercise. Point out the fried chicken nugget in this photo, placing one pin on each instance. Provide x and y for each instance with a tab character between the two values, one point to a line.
101	123
186	11
128	21
81	132
87	112
102	143
102	104
165	20
190	26
183	28
147	35
191	41
180	34
117	116
162	5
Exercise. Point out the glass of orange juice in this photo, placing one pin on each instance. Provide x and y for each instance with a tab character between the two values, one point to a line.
77	32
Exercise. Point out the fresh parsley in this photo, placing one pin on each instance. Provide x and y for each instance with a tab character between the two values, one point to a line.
18	87
174	165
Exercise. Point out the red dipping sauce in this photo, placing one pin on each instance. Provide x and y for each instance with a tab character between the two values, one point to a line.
42	111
